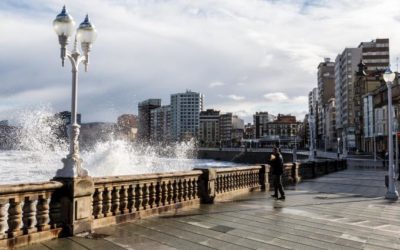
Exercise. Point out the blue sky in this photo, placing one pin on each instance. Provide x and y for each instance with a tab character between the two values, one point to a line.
243	55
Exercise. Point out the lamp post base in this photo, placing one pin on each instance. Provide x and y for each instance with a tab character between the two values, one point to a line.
72	168
392	195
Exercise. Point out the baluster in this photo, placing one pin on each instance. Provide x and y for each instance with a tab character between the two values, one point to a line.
55	214
29	215
158	194
107	202
131	198
255	178
237	181
185	190
163	199
221	184
174	191
195	188
241	179
190	188
123	203
14	218
217	185
43	213
180	190
3	222
230	181
169	192
152	196
97	203
139	197
225	183
145	201
115	201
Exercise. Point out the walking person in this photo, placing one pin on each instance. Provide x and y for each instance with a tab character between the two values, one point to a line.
276	162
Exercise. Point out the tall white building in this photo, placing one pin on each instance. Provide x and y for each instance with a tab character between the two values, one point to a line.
346	65
185	114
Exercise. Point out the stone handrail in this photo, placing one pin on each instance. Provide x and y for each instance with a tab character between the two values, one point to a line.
125	197
231	179
26	209
67	206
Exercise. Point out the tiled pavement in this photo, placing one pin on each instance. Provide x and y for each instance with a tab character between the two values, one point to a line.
343	210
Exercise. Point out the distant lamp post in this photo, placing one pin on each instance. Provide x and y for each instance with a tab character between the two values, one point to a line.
392	193
295	149
338	149
64	26
311	146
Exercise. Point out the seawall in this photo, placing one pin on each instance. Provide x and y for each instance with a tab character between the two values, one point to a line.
241	155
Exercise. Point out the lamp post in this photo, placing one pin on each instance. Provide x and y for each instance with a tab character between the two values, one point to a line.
392	193
311	147
64	26
338	149
295	149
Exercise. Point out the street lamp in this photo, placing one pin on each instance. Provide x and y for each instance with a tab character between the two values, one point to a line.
311	146
392	193
338	149
64	26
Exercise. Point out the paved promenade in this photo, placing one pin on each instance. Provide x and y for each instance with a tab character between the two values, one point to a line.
343	210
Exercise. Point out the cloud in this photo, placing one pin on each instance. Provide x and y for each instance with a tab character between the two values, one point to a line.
232	97
216	84
151	49
236	97
276	97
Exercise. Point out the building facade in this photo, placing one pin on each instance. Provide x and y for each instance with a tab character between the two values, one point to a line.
209	128
185	115
260	120
144	109
160	124
326	91
346	65
127	127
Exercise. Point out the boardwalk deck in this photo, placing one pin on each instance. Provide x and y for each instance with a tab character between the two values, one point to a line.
343	210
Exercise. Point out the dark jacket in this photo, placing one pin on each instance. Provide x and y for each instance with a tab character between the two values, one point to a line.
276	164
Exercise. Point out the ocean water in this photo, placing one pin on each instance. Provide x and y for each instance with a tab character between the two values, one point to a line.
37	153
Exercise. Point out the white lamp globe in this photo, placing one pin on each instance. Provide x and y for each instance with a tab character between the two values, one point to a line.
389	76
86	32
64	24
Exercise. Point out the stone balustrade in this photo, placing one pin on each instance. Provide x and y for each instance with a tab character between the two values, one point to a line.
123	198
67	206
28	213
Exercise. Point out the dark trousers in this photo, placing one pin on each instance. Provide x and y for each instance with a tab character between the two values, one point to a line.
278	185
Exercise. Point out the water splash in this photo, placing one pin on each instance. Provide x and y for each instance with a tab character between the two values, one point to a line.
37	152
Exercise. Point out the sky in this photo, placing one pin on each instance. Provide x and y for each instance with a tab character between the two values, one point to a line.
243	55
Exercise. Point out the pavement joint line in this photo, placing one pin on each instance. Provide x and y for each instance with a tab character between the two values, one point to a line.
69	238
144	236
341	226
193	225
301	225
166	224
160	231
271	243
259	227
354	214
289	220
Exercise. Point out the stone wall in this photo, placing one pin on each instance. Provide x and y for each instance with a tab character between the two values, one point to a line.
36	212
242	156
